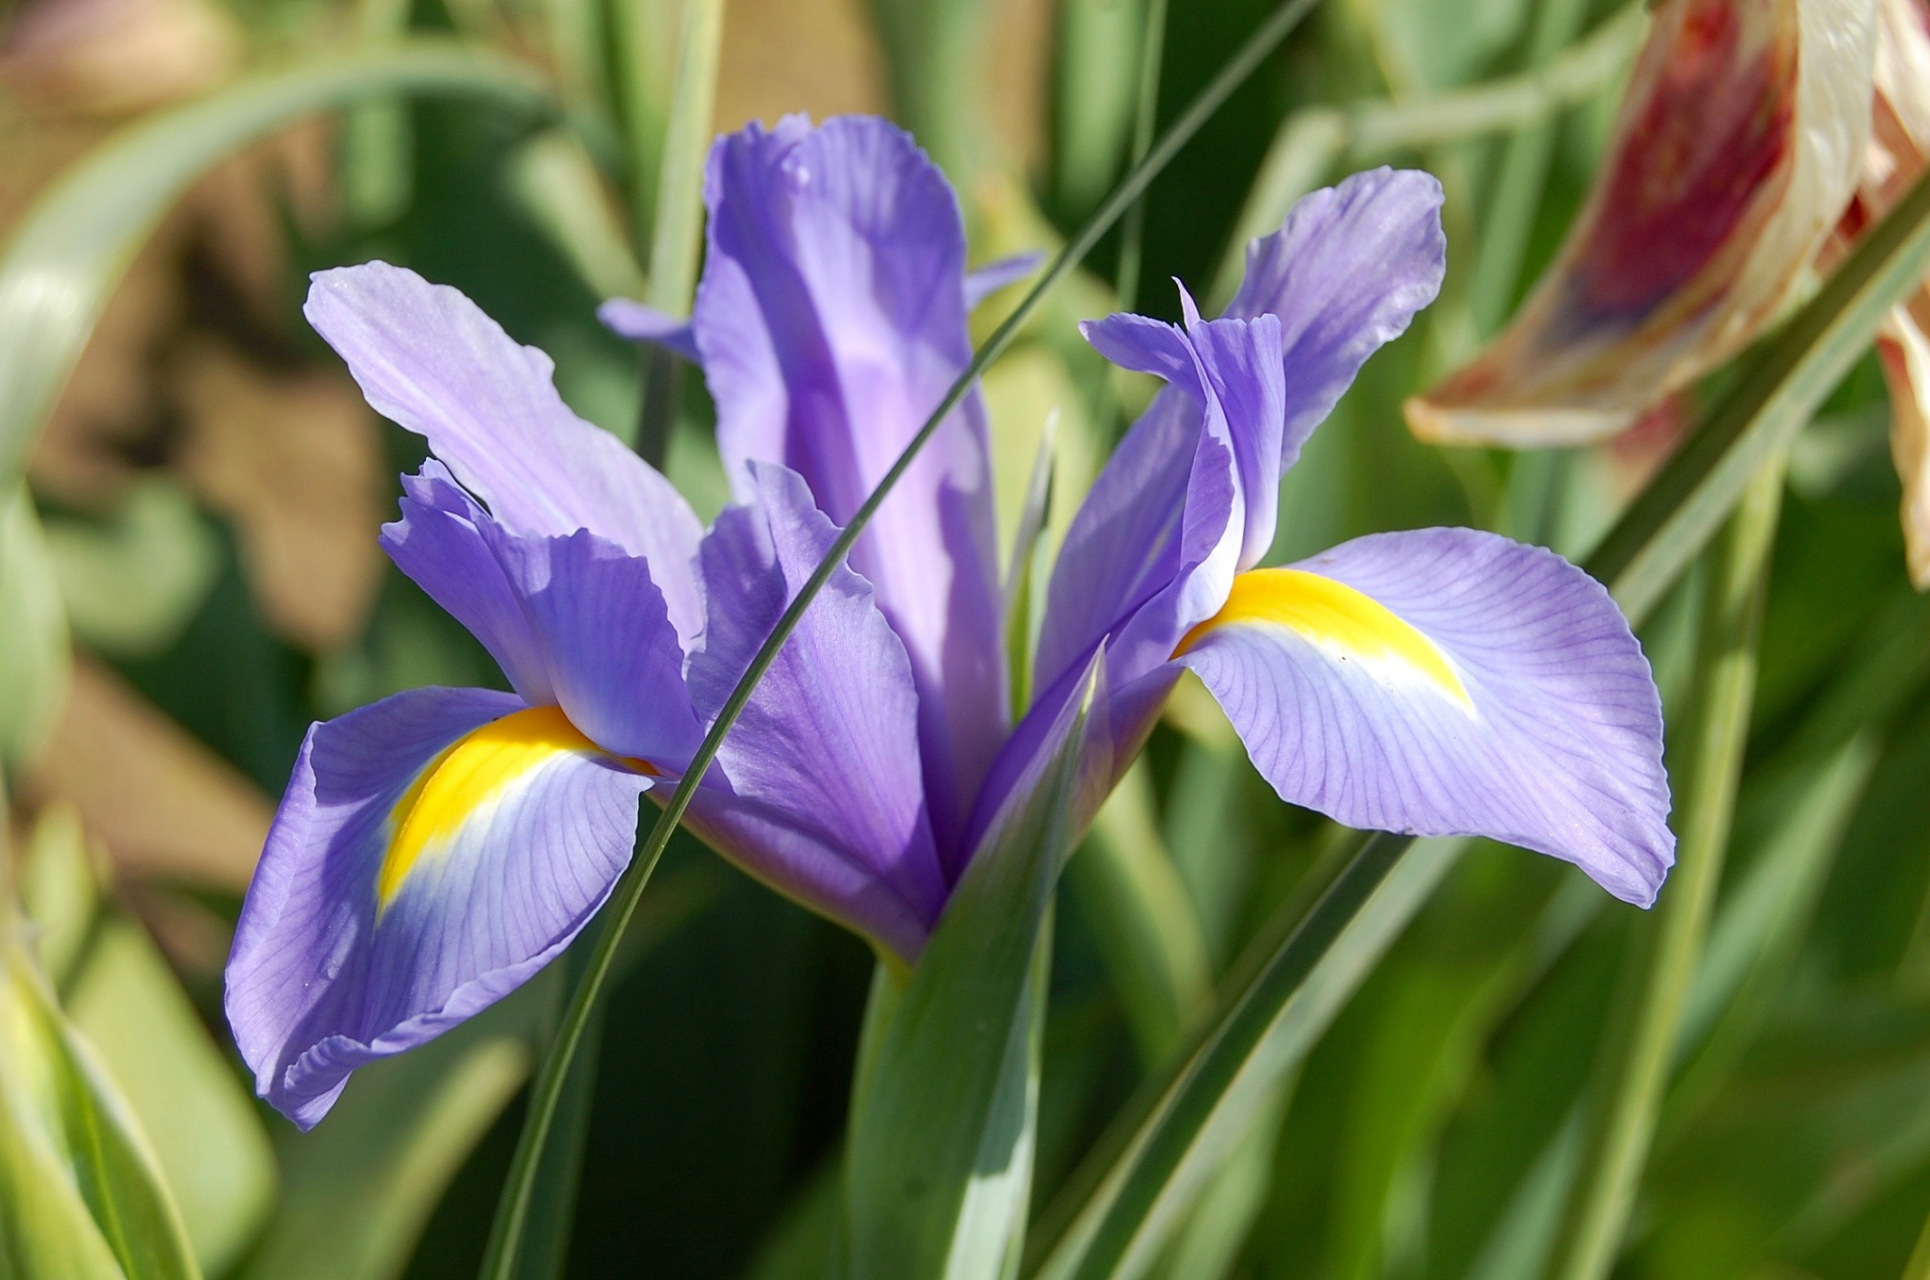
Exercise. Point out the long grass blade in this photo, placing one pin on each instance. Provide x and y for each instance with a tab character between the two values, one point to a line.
1132	232
1771	400
1636	1067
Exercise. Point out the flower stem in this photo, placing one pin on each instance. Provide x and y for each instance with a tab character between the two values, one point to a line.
1633	1072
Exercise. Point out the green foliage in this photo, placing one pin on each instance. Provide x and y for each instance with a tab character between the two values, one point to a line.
33	631
81	1192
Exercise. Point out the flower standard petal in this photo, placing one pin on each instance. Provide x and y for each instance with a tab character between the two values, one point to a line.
1450	682
1346	274
433	851
821	792
429	359
1186	501
1740	140
831	319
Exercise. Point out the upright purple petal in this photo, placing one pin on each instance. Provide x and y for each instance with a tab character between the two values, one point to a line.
1149	554
1345	274
823	790
832	320
1449	682
573	620
433	851
430	360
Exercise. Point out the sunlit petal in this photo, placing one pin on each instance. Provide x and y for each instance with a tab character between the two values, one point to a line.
433	852
1450	682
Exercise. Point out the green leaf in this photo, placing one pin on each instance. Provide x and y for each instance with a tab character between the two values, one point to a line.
677	227
1626	1101
1093	104
1137	1185
132	582
1142	917
81	1194
358	1190
556	184
942	1132
71	249
204	1128
58	889
1027	569
934	51
35	663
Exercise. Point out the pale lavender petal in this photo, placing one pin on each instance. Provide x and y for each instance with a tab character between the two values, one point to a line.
1554	743
982	282
573	620
326	975
1345	274
641	322
429	359
832	320
823	791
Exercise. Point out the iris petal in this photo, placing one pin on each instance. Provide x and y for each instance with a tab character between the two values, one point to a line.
832	320
548	608
822	791
433	852
429	359
1343	683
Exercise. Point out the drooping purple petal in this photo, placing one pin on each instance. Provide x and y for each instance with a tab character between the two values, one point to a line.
573	620
430	360
823	793
1450	682
433	851
1345	274
641	322
832	321
982	282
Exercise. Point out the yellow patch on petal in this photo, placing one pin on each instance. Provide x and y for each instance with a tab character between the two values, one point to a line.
469	773
1341	622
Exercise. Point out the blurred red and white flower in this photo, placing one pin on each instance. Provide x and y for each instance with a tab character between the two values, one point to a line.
1740	142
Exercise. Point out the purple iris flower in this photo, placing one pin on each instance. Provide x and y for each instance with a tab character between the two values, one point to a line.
435	849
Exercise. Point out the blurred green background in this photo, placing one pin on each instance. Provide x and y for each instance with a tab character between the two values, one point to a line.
191	577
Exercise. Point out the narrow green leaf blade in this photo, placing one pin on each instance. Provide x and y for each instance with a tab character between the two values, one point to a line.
34	659
82	1188
941	1142
207	1135
1201	1114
